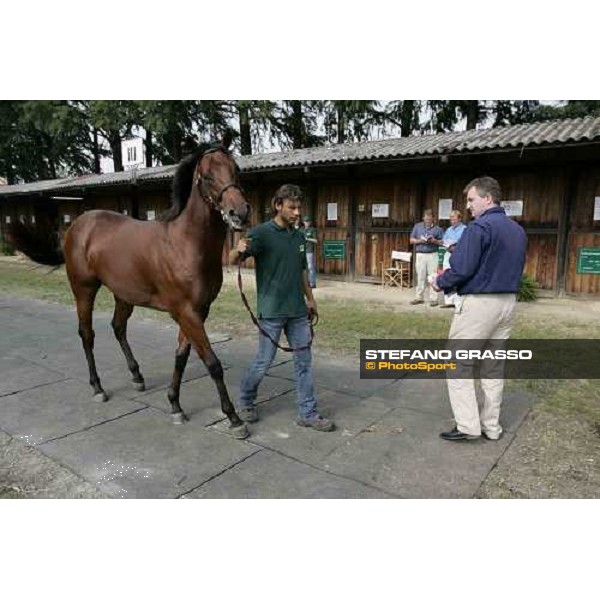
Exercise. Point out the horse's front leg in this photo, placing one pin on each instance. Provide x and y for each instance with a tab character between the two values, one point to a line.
192	325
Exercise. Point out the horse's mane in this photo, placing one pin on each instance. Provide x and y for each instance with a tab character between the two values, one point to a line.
183	179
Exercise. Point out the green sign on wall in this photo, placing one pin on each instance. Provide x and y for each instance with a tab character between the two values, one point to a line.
588	261
334	249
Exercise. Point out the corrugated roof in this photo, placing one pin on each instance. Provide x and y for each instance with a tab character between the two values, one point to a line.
515	136
548	133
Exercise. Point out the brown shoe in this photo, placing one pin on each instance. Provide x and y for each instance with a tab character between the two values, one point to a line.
417	301
446	305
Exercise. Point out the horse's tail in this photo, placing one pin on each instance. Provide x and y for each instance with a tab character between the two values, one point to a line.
40	244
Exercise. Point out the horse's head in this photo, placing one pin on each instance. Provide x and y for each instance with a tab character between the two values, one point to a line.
217	178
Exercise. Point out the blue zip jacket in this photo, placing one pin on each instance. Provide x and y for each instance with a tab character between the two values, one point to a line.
489	257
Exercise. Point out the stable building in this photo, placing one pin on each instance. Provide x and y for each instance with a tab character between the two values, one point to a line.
365	197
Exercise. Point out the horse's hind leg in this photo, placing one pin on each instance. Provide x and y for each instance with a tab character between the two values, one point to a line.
193	326
84	298
123	311
181	357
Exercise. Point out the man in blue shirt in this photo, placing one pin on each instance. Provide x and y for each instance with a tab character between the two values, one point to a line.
485	270
449	241
426	237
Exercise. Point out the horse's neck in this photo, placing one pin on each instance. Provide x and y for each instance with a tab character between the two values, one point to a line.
202	224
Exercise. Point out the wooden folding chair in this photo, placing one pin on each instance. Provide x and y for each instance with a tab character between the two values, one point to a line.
399	273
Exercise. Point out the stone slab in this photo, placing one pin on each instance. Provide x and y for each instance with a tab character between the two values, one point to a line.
267	474
143	455
277	427
17	374
55	410
404	455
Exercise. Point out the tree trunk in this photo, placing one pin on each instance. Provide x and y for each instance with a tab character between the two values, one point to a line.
297	125
149	148
406	117
48	145
96	151
114	140
341	126
177	149
245	138
472	113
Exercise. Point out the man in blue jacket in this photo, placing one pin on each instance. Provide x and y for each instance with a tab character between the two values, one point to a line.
485	270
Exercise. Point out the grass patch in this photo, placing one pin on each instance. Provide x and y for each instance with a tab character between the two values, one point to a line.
6	493
564	397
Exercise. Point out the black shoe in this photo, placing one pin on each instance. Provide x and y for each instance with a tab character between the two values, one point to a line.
458	436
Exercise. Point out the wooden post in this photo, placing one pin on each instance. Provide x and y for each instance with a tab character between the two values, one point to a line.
353	225
562	246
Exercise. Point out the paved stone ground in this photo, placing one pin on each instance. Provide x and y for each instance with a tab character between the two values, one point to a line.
386	444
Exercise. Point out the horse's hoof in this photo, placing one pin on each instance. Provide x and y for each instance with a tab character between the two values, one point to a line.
179	418
240	432
139	386
100	397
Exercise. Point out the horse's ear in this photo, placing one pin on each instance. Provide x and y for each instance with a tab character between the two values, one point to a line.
227	138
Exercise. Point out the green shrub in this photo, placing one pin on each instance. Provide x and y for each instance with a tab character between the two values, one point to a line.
6	248
528	289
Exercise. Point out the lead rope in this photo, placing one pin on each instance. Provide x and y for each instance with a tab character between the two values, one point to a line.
312	319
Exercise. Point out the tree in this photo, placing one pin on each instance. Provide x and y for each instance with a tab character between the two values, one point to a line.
475	111
405	114
169	126
513	112
443	115
43	139
9	127
290	123
114	120
572	109
351	120
254	118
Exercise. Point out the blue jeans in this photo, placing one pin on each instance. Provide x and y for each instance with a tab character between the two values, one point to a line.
312	269
297	331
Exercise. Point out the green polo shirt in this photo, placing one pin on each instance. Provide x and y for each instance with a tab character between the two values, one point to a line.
280	258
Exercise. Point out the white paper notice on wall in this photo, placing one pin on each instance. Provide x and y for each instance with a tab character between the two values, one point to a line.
150	215
444	208
597	208
66	218
513	208
332	211
380	211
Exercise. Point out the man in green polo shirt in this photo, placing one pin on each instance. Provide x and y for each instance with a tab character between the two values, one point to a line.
285	300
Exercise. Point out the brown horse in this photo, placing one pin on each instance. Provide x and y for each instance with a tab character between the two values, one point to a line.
172	265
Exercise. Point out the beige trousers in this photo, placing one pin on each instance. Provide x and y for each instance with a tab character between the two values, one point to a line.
426	264
481	317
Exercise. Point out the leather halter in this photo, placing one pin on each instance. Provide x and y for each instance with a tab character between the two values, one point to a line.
203	184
